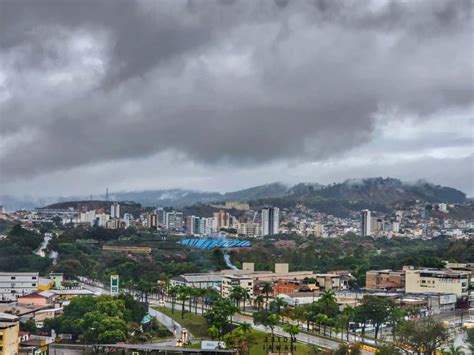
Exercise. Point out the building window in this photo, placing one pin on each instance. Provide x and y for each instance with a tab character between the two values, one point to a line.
13	278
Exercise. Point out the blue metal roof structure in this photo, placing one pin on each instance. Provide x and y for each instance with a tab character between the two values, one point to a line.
209	243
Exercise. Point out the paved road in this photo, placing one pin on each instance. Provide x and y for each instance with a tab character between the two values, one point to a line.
169	323
302	337
173	326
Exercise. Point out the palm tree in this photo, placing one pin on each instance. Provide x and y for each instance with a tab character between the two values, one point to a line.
183	293
163	285
266	289
245	296
245	327
293	330
271	322
309	316
299	313
200	294
172	292
327	301
348	314
259	301
396	317
323	319
213	332
278	304
236	295
210	295
241	340
145	287
192	298
453	350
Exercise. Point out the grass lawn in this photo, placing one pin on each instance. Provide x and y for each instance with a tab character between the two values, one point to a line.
257	347
194	323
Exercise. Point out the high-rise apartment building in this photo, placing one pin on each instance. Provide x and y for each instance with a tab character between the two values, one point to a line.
152	220
366	223
161	216
208	226
222	219
174	220
115	210
270	221
250	229
193	225
127	219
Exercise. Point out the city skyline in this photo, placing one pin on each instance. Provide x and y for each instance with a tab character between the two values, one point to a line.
232	94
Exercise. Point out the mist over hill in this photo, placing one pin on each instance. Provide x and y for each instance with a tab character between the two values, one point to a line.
389	190
371	192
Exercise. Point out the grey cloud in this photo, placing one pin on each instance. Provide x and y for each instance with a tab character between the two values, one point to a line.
223	81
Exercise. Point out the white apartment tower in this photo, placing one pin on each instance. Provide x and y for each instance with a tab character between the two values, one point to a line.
115	210
366	221
270	220
174	220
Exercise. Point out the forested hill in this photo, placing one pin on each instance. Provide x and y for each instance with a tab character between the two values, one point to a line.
378	191
379	194
85	205
388	191
369	192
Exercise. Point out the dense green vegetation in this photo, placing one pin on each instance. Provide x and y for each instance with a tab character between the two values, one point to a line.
17	251
376	194
125	206
355	253
105	319
81	254
196	324
254	342
322	317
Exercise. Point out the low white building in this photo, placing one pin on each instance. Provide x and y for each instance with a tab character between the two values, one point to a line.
298	298
198	281
14	284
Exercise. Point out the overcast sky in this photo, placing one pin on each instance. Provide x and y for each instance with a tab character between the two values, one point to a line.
221	95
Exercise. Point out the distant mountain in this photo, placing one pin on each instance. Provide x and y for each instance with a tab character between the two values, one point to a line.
377	193
304	188
15	203
167	198
275	189
388	191
86	205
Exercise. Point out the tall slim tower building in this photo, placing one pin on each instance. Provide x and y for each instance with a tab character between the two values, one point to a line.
115	210
270	220
222	219
366	221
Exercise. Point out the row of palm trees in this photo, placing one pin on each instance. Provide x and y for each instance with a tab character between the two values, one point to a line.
189	297
240	296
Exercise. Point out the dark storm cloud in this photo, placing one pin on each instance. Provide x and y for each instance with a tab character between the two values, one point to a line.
240	81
